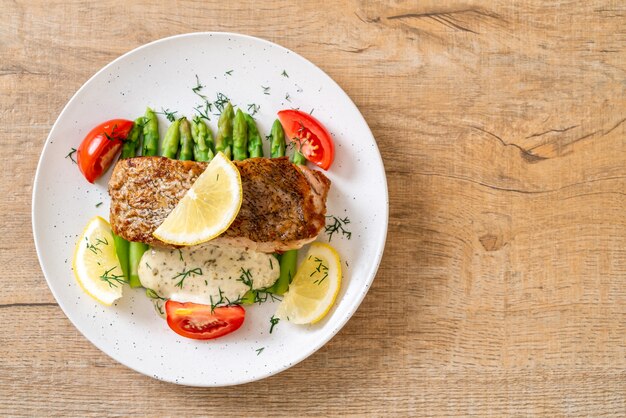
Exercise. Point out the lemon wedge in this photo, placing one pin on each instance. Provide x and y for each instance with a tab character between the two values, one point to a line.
96	267
207	209
314	287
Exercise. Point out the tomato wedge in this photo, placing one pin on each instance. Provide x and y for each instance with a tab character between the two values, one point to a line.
200	322
97	151
314	141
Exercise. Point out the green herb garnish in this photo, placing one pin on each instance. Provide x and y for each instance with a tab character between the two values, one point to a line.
113	280
169	114
70	155
253	109
186	273
337	225
273	321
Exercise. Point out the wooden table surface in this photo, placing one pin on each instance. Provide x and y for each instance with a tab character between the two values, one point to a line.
502	290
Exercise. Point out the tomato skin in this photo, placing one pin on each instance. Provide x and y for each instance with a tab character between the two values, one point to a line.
316	144
199	322
97	151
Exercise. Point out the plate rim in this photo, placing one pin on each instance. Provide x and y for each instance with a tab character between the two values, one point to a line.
356	302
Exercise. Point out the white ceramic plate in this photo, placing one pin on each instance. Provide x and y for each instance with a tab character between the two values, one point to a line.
161	75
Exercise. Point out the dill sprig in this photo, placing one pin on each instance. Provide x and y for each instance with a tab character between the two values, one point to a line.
222	301
261	296
229	72
253	108
220	102
337	225
113	280
198	88
70	155
169	114
111	136
203	110
273	322
186	273
102	241
284	74
320	269
246	277
94	248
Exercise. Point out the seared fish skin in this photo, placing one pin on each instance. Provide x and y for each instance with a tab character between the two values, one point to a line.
283	206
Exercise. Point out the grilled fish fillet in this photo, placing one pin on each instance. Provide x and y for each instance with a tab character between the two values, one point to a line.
283	206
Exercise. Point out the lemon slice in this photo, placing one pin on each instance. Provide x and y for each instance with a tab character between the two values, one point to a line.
207	209
314	287
97	270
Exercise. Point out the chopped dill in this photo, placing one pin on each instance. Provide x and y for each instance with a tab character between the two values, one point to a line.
169	114
229	72
266	90
98	204
113	280
186	273
93	248
284	74
273	322
221	101
246	278
337	225
203	112
198	88
259	350
287	97
202	109
100	241
112	135
70	155
253	108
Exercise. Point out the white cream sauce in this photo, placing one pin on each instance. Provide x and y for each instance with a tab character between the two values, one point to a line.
206	273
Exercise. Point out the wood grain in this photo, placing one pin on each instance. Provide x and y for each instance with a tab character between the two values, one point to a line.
503	286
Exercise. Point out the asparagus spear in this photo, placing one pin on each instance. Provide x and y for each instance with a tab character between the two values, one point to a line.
150	148
298	158
150	134
129	149
202	140
224	139
255	144
277	141
171	141
240	136
186	141
131	145
289	259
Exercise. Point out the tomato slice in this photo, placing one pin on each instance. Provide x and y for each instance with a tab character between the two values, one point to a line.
97	151
200	322
310	135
